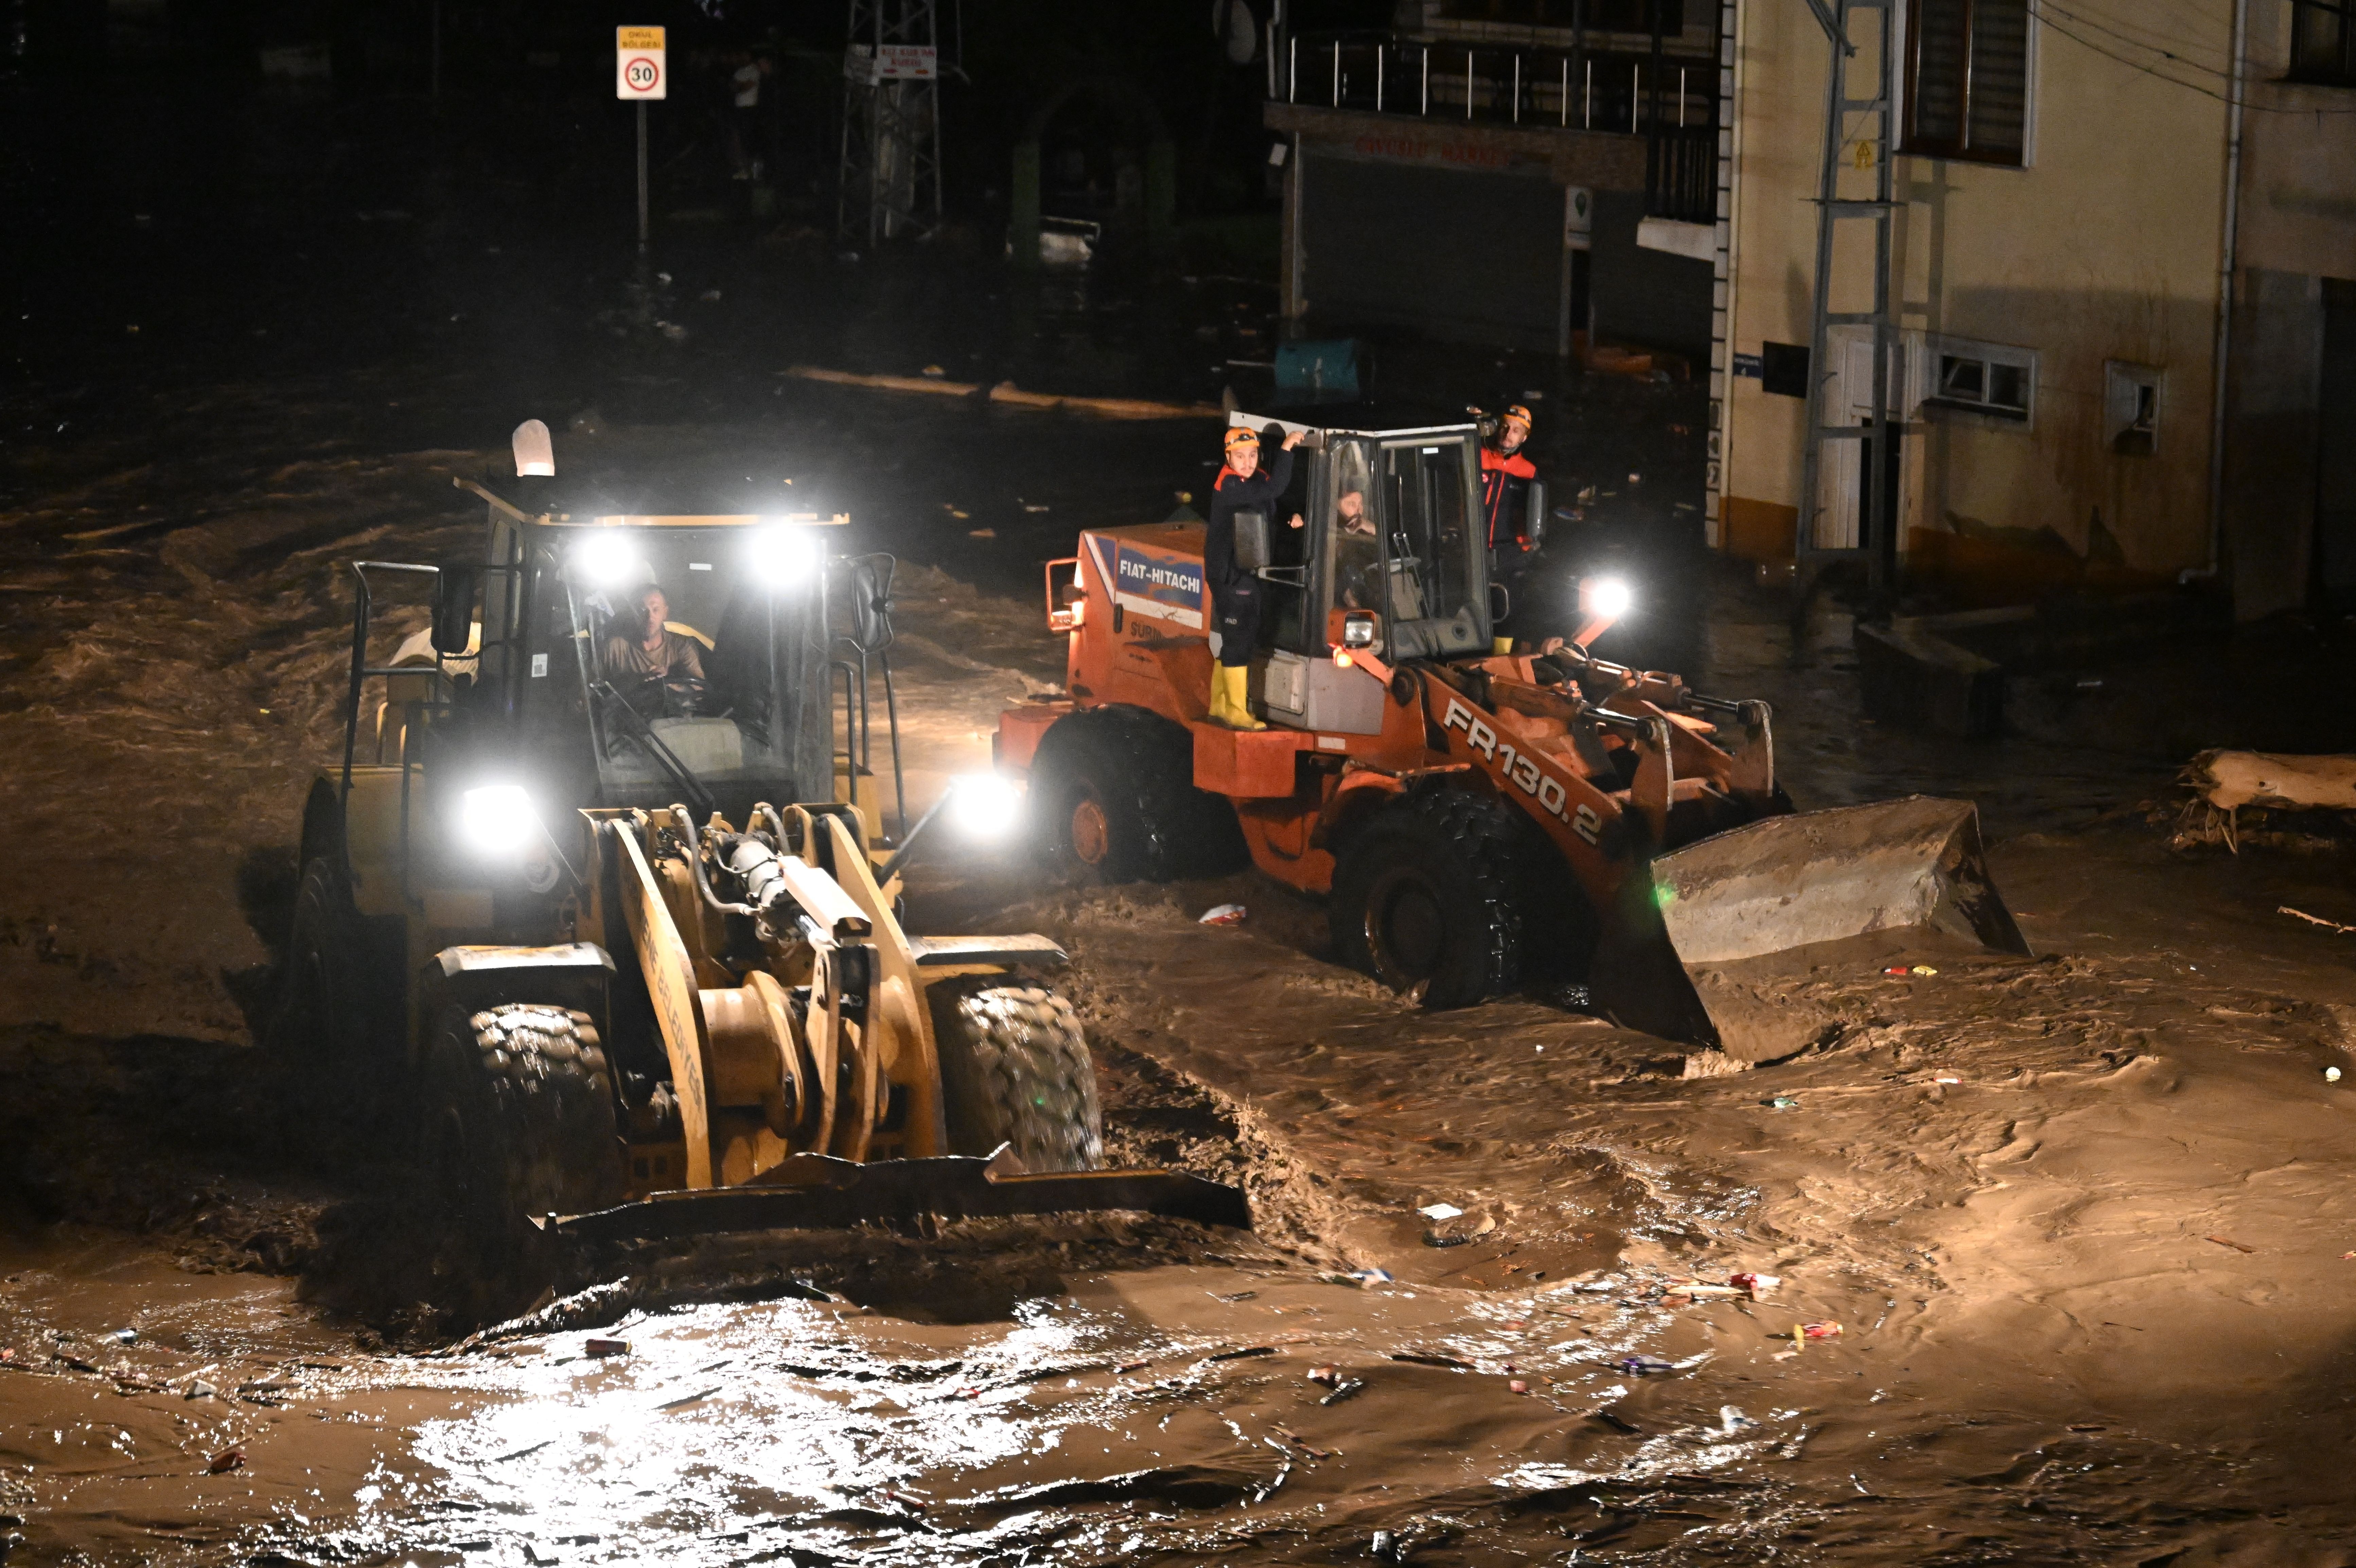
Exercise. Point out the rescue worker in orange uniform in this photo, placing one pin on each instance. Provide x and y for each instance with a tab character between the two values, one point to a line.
1505	476
1242	486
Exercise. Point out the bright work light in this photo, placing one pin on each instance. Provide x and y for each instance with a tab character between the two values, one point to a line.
1607	597
985	805
784	557
498	821
604	560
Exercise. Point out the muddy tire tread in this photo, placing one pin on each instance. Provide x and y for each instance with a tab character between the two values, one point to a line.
1488	864
1142	768
1015	1068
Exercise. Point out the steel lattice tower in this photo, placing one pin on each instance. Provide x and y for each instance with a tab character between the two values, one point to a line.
890	123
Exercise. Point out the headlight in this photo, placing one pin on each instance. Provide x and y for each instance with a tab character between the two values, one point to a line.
607	561
498	821
785	557
1607	597
985	805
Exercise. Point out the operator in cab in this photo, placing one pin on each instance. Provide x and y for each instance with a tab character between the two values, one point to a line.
1242	486
649	660
1505	476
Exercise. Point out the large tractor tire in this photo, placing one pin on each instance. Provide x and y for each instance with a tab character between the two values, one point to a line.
519	1123
1430	897
1113	799
333	1028
1016	1070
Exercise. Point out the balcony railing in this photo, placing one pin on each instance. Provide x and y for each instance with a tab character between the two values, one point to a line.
1671	99
1591	89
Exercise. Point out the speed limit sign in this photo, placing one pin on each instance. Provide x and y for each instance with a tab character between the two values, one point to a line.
638	67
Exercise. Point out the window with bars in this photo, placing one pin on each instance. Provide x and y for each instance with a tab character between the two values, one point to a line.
2323	42
1967	80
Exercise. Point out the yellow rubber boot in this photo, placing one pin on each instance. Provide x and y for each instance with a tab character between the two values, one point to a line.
1235	688
1218	695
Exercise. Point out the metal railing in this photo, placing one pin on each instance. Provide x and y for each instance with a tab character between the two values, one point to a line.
1670	98
1588	90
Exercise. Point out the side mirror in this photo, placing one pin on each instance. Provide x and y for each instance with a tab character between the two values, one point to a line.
535	455
1533	522
454	593
1251	540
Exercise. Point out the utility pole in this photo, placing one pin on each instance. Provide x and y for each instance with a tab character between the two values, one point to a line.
1859	135
890	181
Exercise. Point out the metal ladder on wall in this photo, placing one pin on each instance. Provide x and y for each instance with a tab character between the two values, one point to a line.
1870	448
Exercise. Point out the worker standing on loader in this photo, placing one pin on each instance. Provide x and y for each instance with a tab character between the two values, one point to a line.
1505	476
1242	486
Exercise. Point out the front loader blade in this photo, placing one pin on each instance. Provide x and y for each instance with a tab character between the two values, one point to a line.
836	1194
1706	947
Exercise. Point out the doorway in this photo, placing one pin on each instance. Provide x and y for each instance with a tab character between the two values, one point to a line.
2335	460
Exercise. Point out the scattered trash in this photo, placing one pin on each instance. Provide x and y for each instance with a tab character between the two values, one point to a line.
1237	1295
696	1398
1702	1292
1246	1353
979	532
1488	1223
1783	1355
531	1552
606	1347
1329	1376
1287	1435
1586	495
933	370
1781	1102
1730	1420
1127	1366
125	1337
1222	915
1430	1240
1819	1330
1439	1211
225	1461
1034	506
2314	920
1517	1386
2331	1075
2345	1256
1387	1547
200	1390
1359	1277
1922	969
1946	1081
712	296
1348	1388
1635	479
2228	1241
1896	969
1645	1366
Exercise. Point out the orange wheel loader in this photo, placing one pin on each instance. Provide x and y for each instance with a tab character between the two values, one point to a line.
1478	820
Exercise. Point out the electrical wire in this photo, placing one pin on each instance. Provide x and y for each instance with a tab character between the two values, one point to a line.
2133	42
2042	10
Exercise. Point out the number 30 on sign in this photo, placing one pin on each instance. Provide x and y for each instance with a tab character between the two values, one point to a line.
639	71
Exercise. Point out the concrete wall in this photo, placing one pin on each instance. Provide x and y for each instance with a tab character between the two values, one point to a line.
2297	226
2105	247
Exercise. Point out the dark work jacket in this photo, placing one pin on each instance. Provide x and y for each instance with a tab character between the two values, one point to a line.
1230	494
1505	479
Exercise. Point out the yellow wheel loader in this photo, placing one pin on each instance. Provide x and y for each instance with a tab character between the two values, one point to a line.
595	900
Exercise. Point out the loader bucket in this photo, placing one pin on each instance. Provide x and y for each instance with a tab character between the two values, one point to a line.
1710	940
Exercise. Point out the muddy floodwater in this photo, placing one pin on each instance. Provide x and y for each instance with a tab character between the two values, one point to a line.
2063	1248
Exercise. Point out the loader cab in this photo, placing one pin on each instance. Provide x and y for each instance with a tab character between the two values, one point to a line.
1394	532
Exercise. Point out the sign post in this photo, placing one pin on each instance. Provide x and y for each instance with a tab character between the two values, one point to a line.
640	75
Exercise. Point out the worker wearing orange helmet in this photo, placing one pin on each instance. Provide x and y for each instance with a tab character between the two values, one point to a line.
1243	485
1505	476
